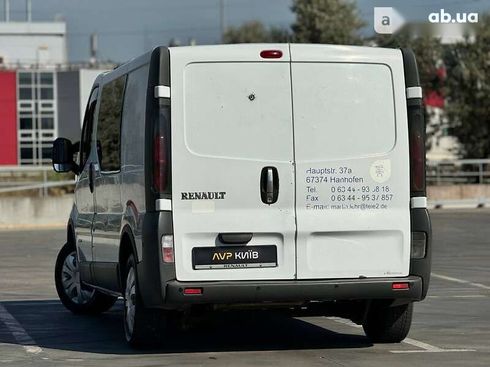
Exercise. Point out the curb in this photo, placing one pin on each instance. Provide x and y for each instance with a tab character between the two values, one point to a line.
27	227
481	203
431	205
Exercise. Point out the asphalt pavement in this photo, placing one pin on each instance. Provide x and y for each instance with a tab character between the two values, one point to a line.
450	328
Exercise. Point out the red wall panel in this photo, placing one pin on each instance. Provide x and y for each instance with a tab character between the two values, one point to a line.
8	118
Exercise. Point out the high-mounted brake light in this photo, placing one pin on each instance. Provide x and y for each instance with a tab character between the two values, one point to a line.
271	54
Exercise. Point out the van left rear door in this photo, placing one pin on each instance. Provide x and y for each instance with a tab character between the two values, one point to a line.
232	141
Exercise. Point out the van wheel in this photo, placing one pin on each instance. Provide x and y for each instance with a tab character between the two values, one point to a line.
73	294
388	324
143	326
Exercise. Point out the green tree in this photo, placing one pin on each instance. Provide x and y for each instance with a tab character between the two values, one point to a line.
468	91
429	53
326	21
255	32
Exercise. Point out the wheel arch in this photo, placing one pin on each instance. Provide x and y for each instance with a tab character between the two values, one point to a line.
127	247
70	233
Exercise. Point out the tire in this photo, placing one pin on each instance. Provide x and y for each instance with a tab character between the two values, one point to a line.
76	297
143	327
388	324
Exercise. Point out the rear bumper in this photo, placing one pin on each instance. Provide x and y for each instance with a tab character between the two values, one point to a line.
228	292
159	289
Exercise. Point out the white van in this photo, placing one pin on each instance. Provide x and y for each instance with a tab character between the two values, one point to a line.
262	174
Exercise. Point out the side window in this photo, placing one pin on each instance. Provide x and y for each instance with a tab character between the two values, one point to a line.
88	124
109	125
133	126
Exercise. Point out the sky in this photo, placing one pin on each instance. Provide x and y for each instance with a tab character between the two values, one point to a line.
128	28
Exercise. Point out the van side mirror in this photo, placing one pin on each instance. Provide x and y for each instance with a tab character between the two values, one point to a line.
63	151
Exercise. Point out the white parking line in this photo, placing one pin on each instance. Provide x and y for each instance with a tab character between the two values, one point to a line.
19	333
427	348
461	281
344	321
424	347
432	351
461	296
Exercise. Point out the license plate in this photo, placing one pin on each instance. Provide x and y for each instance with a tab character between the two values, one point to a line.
233	257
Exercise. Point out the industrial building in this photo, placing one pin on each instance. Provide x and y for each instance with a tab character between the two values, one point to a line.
42	96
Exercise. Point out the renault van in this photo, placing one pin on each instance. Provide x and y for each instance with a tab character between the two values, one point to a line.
259	175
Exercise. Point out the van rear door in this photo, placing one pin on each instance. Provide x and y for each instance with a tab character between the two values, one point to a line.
352	160
232	153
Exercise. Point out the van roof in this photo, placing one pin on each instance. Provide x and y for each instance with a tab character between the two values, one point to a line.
218	51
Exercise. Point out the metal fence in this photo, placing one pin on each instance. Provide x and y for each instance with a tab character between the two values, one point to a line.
458	171
32	178
41	178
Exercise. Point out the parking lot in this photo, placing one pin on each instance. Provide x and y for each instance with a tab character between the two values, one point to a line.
451	327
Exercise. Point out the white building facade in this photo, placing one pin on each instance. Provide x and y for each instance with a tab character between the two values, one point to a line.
32	44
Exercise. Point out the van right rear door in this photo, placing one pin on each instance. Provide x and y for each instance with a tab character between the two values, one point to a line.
352	162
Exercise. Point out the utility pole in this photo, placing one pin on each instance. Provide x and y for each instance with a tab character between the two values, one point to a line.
146	41
7	10
222	19
93	48
28	10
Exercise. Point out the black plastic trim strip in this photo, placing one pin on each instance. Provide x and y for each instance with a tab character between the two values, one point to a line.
152	272
230	292
420	222
410	68
106	275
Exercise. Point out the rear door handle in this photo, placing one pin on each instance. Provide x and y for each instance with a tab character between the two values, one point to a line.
269	185
235	238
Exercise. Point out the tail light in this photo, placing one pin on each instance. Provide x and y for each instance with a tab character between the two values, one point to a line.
167	243
416	127
161	149
400	286
416	123
418	245
192	291
160	164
